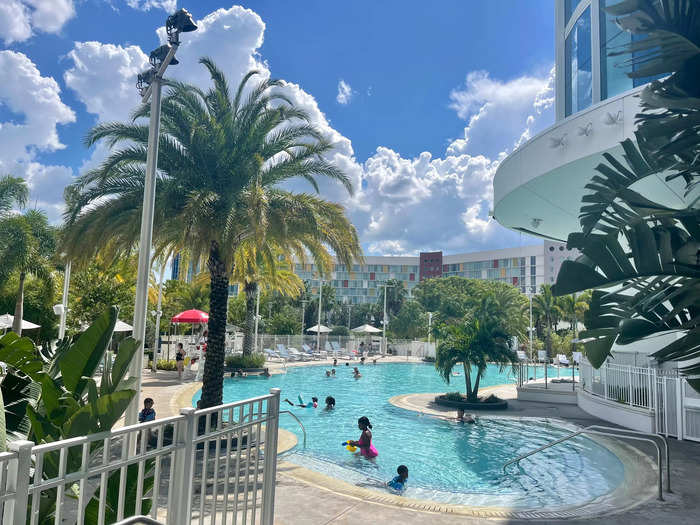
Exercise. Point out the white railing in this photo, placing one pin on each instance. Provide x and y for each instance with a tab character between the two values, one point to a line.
216	465
675	405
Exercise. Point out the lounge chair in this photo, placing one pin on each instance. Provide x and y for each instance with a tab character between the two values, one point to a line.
563	360
521	355
337	350
309	352
297	355
271	354
285	354
542	356
577	357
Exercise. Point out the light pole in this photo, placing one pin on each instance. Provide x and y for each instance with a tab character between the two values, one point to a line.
430	321
159	313
257	318
320	303
303	315
64	302
149	86
529	330
385	285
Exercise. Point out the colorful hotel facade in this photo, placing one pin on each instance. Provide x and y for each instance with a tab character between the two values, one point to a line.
526	267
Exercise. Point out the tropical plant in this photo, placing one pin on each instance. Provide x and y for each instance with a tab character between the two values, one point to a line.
13	193
544	306
411	321
264	270
50	396
641	255
27	243
395	296
222	162
572	309
481	339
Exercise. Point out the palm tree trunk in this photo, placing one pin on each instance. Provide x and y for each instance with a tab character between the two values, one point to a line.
475	392
251	291
468	378
19	306
213	380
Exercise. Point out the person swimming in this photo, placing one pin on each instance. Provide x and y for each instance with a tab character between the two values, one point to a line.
302	404
398	483
330	403
356	373
365	445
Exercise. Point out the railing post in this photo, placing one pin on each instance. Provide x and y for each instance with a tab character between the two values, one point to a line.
631	395
679	407
180	505
604	379
270	467
18	483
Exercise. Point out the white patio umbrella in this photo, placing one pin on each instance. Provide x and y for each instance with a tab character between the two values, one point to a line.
6	321
121	326
315	329
366	329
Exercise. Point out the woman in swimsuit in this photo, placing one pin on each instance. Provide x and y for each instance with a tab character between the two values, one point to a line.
180	360
365	442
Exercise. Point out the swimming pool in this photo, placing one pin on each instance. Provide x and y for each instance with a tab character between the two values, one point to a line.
448	462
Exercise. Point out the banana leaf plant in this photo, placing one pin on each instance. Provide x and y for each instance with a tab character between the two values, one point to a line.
53	396
639	255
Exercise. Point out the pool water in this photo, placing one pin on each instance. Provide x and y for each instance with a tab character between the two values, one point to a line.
448	462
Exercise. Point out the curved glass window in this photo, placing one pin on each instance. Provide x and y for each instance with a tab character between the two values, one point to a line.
613	72
577	61
569	8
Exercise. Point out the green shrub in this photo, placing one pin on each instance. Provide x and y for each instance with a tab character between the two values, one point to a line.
245	361
454	396
164	364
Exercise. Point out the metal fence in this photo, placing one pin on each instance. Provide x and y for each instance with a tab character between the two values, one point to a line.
676	406
216	465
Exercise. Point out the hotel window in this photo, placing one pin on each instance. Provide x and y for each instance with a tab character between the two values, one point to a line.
412	277
578	76
533	260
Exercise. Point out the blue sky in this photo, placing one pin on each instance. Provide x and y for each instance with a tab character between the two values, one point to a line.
422	98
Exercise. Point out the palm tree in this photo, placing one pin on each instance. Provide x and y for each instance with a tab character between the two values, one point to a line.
262	270
545	306
13	192
217	153
481	339
572	309
395	296
26	244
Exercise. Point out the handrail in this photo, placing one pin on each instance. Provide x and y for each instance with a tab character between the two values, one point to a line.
662	438
589	430
298	421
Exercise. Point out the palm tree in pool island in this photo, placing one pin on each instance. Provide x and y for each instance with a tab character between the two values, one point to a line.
218	153
480	339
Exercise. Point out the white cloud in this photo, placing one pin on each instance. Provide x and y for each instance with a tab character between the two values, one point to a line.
497	112
344	93
18	18
104	78
402	205
36	102
146	5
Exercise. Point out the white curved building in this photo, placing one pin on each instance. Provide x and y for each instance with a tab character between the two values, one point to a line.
538	188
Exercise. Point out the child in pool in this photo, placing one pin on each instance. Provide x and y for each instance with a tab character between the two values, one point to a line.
330	403
302	404
365	442
399	482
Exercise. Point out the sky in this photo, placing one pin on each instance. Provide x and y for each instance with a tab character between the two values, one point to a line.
422	100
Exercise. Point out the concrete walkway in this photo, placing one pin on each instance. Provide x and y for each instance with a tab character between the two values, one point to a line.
304	502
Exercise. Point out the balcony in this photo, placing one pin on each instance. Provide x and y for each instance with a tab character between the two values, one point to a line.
538	188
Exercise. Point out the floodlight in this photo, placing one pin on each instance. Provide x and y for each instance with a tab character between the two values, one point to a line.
145	79
158	55
180	22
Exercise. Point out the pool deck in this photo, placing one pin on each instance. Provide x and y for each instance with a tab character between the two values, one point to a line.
304	497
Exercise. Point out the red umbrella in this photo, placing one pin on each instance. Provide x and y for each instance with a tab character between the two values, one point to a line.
191	316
